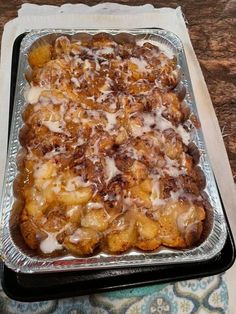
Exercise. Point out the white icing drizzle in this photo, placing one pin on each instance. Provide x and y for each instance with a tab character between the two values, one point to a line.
41	170
76	81
87	65
91	98
149	120
97	65
185	136
176	195
103	97
76	182
132	152
54	126
80	141
162	48
172	167
73	210
183	219
55	152
79	235
105	89
95	205
111	120
111	169
33	94
155	196
163	124
106	50
46	184
50	244
57	126
141	63
155	120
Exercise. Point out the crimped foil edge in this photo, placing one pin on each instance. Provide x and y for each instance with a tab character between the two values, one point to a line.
21	262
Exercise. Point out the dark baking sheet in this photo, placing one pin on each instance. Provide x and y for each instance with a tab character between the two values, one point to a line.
33	287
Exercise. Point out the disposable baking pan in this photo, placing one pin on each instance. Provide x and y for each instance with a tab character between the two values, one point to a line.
39	287
19	259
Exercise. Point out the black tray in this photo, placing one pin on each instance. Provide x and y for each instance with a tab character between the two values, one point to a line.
38	287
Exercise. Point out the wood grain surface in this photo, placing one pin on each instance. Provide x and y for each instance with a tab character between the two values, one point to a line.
212	27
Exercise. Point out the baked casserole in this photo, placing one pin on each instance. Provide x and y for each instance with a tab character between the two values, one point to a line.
107	162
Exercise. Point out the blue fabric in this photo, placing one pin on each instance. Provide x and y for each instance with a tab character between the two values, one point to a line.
206	295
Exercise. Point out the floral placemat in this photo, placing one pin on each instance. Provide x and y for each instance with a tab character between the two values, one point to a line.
206	295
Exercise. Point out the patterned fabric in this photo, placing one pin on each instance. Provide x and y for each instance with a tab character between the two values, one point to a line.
206	295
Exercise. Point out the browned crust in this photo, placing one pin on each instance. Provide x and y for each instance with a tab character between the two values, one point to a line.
134	176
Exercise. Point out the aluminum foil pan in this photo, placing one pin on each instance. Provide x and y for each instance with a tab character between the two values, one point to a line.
13	250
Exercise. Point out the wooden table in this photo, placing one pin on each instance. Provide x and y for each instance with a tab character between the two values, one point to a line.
212	27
